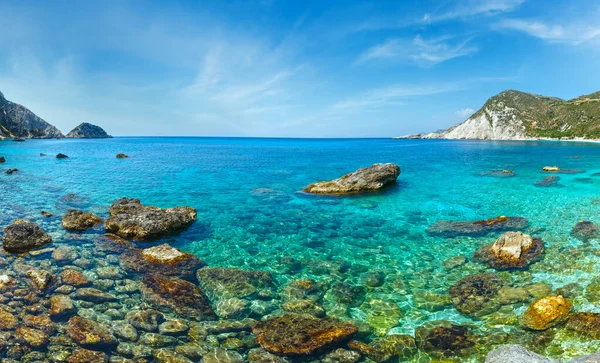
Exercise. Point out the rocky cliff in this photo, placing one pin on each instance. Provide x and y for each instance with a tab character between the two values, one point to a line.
17	121
88	131
514	115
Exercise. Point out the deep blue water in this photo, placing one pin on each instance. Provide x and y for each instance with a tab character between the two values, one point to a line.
251	213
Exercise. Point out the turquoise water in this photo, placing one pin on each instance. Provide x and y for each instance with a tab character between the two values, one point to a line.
251	213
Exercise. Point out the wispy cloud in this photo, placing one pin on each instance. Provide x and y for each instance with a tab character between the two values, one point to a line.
572	33
471	8
464	112
424	52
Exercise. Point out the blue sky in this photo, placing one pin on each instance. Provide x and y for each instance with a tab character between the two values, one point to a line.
289	68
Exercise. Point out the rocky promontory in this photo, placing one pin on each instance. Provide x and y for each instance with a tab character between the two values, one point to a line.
88	131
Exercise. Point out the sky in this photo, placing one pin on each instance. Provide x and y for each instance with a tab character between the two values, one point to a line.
283	68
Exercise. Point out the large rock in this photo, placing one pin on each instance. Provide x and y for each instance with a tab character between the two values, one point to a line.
88	131
546	312
514	353
177	295
78	221
512	250
225	283
90	334
129	218
477	294
477	228
368	179
23	236
293	334
162	259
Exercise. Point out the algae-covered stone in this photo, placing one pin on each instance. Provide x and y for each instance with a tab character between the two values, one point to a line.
177	295
225	283
477	294
23	236
294	334
442	339
90	334
546	312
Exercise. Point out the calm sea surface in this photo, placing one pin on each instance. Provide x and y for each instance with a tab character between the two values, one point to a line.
251	213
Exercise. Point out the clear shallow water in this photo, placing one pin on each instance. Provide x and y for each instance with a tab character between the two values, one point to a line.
250	213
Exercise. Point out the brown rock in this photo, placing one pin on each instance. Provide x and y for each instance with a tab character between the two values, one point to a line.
79	221
546	312
177	295
294	334
129	218
512	250
368	179
89	333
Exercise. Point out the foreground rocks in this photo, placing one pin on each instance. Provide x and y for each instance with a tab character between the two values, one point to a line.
130	219
368	179
23	236
477	228
78	221
294	334
546	312
513	250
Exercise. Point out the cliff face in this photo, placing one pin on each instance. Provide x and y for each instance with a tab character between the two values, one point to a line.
514	115
88	131
18	121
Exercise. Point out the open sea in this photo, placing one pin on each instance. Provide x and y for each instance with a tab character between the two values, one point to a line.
252	215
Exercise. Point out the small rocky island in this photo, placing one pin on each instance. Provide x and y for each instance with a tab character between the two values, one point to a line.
88	131
363	180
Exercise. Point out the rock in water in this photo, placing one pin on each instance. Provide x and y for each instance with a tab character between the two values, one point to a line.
546	312
476	228
23	236
368	179
512	250
17	122
88	131
293	334
76	220
179	296
129	218
514	353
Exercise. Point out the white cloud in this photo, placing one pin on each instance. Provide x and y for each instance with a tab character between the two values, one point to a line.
464	112
572	33
424	52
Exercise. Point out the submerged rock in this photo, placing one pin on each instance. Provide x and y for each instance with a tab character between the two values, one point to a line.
90	334
368	179
546	312
22	236
514	353
225	283
162	259
476	294
77	220
477	228
129	218
512	250
179	296
585	324
585	231
294	334
442	339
